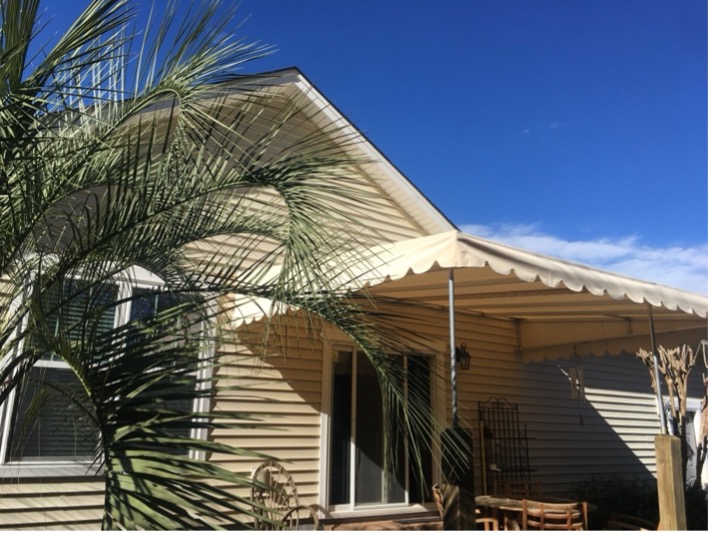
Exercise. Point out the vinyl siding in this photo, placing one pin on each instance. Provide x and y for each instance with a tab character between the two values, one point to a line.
75	504
610	434
281	393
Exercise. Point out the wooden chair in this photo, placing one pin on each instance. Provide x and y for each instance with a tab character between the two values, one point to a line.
438	499
628	522
276	501
537	515
485	523
518	489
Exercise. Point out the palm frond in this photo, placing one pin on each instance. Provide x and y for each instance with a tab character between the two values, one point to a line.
121	153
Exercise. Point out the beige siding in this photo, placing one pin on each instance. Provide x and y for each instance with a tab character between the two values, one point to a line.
282	393
582	440
285	392
49	505
609	434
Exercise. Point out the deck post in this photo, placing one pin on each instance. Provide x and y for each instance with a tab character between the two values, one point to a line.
670	483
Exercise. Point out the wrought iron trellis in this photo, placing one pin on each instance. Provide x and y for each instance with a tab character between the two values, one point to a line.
504	444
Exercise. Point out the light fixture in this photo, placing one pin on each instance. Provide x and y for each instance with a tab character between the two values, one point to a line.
462	356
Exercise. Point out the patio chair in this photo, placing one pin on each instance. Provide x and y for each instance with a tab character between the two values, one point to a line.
438	499
487	523
276	501
537	515
519	489
483	522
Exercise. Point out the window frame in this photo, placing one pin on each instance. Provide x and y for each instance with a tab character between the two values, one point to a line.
126	281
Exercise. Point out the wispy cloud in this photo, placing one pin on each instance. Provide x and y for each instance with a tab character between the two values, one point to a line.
682	267
541	127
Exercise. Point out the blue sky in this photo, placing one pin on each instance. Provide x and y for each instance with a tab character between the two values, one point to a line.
574	128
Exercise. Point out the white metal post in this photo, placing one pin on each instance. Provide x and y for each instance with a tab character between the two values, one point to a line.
453	351
655	359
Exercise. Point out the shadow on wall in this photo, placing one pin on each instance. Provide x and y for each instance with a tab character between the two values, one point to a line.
594	417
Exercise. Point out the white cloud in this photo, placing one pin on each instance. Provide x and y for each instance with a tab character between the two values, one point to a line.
682	267
539	127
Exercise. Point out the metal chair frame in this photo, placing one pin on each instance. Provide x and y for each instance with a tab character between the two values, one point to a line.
276	500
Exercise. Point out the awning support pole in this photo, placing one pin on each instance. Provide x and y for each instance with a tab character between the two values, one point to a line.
655	359
453	352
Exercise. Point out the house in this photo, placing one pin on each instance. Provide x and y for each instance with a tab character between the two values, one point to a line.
550	340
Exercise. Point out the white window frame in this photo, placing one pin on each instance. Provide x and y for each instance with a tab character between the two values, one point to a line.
134	277
363	510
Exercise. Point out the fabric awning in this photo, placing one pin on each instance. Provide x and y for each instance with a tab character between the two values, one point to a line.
561	308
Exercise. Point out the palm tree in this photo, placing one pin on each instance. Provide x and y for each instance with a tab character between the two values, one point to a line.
125	160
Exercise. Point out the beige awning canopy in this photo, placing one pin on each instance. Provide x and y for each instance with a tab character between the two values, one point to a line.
561	308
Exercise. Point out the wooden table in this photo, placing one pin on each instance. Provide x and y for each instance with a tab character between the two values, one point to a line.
499	502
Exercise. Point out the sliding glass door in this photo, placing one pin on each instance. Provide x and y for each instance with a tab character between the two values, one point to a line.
368	452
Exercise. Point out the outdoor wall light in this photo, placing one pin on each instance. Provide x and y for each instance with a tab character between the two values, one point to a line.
462	356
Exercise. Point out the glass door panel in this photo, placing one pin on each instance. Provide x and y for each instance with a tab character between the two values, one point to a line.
369	442
340	468
368	449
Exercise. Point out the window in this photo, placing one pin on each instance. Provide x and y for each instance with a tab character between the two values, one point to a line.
47	423
370	461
